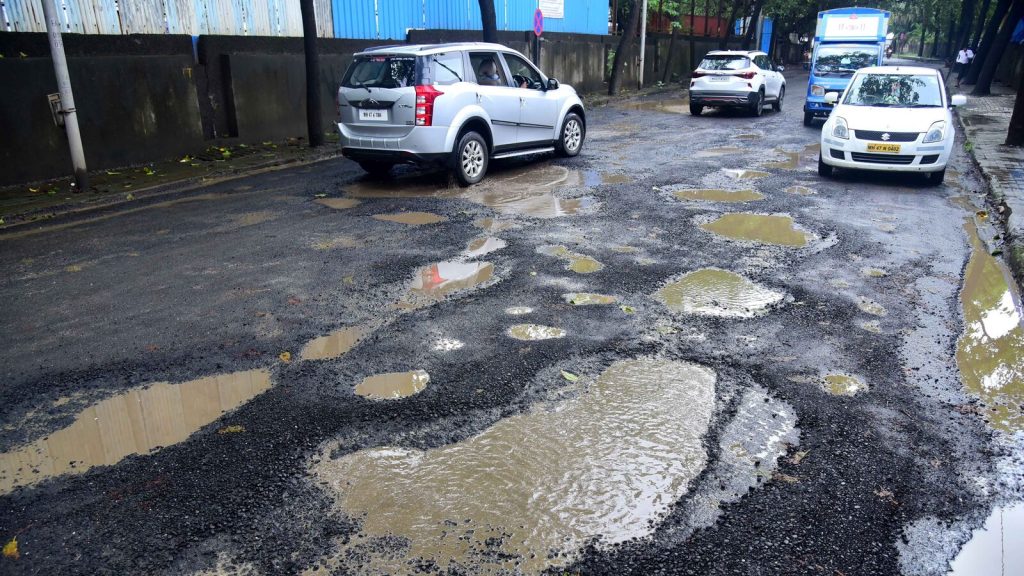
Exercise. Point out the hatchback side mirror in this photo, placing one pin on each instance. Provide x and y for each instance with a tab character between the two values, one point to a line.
958	100
780	68
832	98
552	84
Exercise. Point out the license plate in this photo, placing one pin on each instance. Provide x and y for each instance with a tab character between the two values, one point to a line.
377	115
879	147
719	78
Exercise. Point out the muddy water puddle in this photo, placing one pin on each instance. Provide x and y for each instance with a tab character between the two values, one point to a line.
716	292
432	283
870	306
717	195
335	344
765	228
134	422
720	151
793	160
393	385
336	242
800	190
588	298
990	353
744	174
535	332
843	384
670	106
481	246
995	547
411	218
594	178
579	263
338	203
608	461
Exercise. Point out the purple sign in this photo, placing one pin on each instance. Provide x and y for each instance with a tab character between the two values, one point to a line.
538	22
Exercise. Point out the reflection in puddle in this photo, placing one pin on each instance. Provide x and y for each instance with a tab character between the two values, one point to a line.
588	298
579	263
801	190
995	547
792	161
434	282
743	174
535	332
411	218
492	225
134	422
393	385
758	228
334	344
870	306
713	195
843	384
990	353
338	203
871	326
722	151
518	310
715	292
480	246
609	461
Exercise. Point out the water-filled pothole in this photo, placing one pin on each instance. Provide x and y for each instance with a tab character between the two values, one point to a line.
333	345
481	246
432	283
715	292
870	306
717	195
765	228
338	203
393	385
579	263
588	298
843	384
412	218
134	422
535	332
527	493
745	174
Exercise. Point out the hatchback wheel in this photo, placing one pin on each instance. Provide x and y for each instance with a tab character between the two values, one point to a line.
469	159
777	105
824	169
696	109
936	178
573	132
758	106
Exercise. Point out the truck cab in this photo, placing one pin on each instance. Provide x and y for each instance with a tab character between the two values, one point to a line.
846	40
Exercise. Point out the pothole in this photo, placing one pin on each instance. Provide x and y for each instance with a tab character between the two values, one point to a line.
800	190
871	326
716	292
720	151
765	228
436	281
873	272
481	246
333	345
492	225
411	218
535	332
518	310
717	195
745	174
870	306
134	422
393	385
579	263
338	203
843	384
588	298
530	491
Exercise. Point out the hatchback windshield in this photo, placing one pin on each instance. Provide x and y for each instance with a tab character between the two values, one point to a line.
381	72
895	90
724	63
843	60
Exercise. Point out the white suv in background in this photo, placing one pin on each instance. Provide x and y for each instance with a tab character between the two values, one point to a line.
737	79
459	105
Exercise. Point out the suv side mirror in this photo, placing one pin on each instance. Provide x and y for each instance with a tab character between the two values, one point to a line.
958	100
552	84
832	98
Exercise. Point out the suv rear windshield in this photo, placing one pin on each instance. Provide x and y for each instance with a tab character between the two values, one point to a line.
724	63
381	72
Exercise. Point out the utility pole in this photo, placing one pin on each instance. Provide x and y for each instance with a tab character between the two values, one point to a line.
314	116
643	43
67	99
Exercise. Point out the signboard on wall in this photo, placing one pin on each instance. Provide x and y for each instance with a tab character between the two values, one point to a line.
552	8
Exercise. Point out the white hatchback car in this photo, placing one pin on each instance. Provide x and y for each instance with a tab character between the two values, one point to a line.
737	79
891	118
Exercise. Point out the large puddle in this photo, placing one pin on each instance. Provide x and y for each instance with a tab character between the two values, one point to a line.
717	195
588	298
527	493
579	263
995	548
765	228
715	292
334	344
432	283
393	385
990	353
134	422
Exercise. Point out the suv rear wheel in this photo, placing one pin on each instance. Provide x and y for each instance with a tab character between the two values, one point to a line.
758	106
696	109
777	105
469	158
573	132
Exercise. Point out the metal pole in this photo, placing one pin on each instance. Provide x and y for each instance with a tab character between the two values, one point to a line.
643	43
67	99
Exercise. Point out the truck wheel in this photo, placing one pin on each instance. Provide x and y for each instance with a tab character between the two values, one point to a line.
824	170
808	118
469	159
936	178
573	132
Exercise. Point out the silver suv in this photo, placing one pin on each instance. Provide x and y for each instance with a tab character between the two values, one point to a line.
459	105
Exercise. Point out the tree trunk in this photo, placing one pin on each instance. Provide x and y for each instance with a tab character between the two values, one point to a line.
966	17
314	118
723	42
489	20
1015	135
991	30
936	31
979	25
995	54
949	36
625	49
924	30
752	26
666	75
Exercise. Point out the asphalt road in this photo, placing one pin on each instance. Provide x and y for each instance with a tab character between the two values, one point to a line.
788	404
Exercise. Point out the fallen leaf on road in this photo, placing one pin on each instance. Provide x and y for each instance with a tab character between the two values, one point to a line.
185	159
321	195
570	376
113	173
232	429
148	171
285	356
348	280
33	190
11	549
982	214
152	348
628	309
798	457
786	478
129	196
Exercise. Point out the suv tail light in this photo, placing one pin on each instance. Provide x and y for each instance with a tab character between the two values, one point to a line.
746	75
425	96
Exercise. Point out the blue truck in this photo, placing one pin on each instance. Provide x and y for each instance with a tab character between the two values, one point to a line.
845	40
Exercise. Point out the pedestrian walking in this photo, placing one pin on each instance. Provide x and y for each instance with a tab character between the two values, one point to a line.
963	59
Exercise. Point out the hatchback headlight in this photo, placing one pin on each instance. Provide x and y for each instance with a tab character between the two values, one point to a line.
936	133
840	128
817	90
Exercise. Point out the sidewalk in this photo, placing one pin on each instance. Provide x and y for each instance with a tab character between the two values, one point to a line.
985	121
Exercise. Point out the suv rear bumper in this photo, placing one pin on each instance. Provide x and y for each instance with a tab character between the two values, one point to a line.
707	98
419	145
392	156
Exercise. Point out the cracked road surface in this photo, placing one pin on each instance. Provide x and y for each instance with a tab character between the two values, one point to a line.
681	352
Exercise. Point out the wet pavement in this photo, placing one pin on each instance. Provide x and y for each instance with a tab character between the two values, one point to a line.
681	352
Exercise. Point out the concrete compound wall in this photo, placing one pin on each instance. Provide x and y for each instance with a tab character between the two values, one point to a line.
143	98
